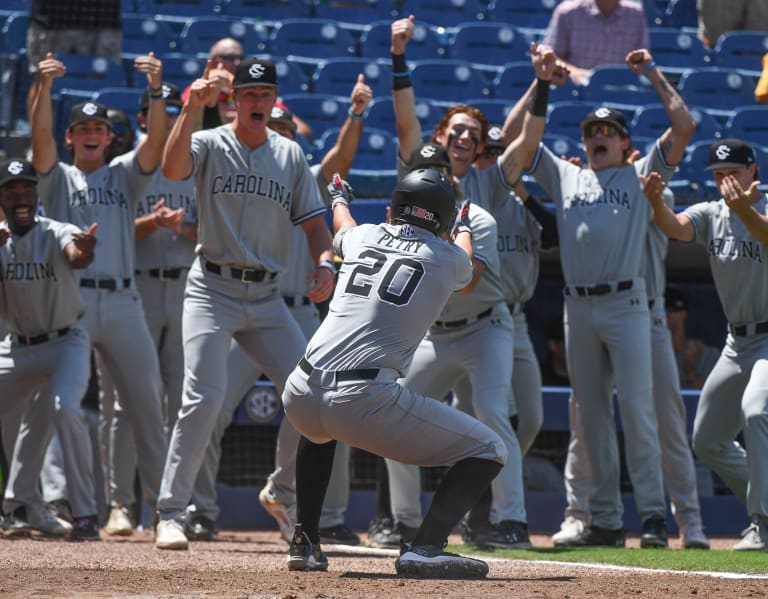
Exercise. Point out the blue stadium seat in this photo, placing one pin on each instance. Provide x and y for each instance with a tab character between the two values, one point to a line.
182	69
680	13
749	123
200	33
337	76
312	39
494	110
617	84
268	10
717	89
695	161
445	13
319	111
489	43
179	8
356	11
143	34
678	49
85	72
291	78
377	150
741	50
564	145
652	120
376	39
534	14
513	80
381	114
442	79
14	35
126	99
567	92
564	118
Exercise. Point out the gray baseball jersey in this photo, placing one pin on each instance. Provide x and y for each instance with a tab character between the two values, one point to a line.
603	219
733	398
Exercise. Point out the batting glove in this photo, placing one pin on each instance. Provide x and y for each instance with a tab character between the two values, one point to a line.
461	224
340	191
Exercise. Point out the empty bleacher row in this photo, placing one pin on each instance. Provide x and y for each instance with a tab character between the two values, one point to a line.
470	50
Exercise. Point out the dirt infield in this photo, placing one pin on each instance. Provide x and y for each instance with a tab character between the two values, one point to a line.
252	564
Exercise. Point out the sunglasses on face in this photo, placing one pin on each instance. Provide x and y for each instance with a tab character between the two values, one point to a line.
230	57
494	152
604	129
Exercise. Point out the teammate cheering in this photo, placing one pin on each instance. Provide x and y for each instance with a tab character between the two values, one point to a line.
734	398
603	226
393	282
252	186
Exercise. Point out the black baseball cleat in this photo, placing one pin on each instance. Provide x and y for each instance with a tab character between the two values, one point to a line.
595	536
430	561
654	533
305	556
507	534
199	528
341	534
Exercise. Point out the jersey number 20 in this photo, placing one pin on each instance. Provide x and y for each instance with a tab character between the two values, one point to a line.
400	279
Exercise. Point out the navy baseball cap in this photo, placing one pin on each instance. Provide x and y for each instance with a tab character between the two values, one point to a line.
430	155
730	153
603	114
282	114
171	95
17	169
86	111
255	71
494	139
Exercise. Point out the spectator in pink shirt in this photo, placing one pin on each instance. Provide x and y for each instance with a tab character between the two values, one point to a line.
588	33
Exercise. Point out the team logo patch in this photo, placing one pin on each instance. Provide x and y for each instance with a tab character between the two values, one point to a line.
428	151
256	71
90	108
166	91
419	212
277	113
494	133
602	113
15	167
722	152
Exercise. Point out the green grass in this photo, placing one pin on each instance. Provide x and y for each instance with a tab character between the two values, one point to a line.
660	559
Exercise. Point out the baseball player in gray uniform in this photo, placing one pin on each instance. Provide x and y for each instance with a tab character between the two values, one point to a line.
733	399
252	186
678	469
603	224
90	191
278	497
392	284
166	230
474	333
46	344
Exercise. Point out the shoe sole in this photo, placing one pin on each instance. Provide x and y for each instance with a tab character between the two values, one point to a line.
653	544
21	532
496	545
78	539
279	513
119	532
446	569
175	545
303	565
696	545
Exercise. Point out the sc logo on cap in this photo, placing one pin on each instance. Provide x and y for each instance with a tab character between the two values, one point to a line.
602	113
256	71
427	151
723	152
15	167
494	133
90	109
277	112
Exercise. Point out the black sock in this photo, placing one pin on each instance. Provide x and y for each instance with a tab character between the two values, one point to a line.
383	505
480	515
461	488
313	469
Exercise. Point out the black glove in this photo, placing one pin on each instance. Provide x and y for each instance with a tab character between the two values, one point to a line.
340	191
462	220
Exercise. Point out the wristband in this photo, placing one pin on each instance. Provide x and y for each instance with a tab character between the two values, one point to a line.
355	117
540	98
338	201
327	264
156	93
399	66
651	65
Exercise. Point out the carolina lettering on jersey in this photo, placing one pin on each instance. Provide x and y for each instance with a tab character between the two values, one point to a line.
736	248
407	245
254	185
611	197
97	195
29	271
172	201
514	244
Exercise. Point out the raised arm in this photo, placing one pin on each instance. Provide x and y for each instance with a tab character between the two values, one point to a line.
674	140
177	156
41	119
519	154
150	148
676	226
339	158
741	202
403	97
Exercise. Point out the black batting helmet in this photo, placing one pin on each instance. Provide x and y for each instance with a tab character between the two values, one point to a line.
425	198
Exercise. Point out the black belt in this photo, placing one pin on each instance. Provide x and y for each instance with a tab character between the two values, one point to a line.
452	324
743	330
24	340
163	273
108	284
602	289
246	275
343	375
291	300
